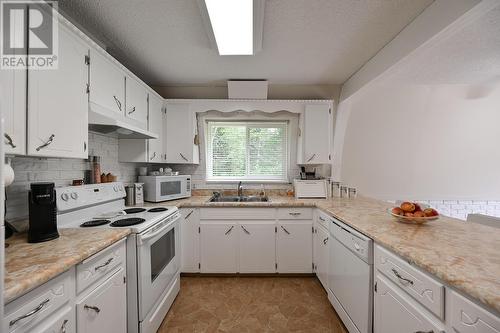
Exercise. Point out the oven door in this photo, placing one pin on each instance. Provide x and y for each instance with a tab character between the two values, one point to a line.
158	257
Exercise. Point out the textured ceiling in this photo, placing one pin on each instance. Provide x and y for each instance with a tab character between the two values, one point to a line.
471	55
304	41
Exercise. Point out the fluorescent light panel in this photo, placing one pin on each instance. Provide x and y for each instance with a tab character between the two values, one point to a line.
232	24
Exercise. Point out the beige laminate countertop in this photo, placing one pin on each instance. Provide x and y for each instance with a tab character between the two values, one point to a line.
465	256
29	265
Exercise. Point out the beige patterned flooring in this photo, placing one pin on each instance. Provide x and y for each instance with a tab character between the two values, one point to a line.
251	304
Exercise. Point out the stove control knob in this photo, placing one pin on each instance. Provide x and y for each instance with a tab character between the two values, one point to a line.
65	196
74	195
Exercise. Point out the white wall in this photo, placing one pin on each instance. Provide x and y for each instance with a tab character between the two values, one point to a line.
436	142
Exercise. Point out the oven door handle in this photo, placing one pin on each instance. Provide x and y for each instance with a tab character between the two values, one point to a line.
152	233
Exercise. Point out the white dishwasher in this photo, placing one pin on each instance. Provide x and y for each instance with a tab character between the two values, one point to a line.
350	277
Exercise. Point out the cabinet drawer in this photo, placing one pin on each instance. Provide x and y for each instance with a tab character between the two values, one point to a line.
237	213
419	285
468	317
64	321
295	213
99	265
323	219
30	310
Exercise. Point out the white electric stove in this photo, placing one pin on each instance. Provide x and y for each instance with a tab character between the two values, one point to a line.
153	248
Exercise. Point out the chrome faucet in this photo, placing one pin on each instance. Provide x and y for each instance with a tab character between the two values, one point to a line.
240	189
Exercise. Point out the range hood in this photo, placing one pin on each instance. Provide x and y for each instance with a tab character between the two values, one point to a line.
104	121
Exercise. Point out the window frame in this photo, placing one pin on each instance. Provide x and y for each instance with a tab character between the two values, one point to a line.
256	123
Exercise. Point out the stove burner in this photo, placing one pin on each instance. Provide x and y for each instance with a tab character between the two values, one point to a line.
134	210
127	222
94	223
157	209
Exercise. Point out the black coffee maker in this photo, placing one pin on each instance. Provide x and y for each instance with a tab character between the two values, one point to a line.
42	213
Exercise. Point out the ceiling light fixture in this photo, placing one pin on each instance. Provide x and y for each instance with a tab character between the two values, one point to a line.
232	25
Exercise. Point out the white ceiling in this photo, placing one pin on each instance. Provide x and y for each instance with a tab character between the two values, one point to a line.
470	55
304	41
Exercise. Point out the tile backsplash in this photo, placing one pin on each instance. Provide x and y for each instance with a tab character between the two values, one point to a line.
62	171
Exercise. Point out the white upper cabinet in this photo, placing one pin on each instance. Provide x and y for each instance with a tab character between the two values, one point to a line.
136	97
156	149
13	105
316	134
107	84
58	102
180	134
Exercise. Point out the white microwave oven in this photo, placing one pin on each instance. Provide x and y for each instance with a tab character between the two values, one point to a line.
164	188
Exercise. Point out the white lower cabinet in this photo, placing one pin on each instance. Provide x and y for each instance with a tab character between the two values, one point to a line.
294	246
396	312
105	308
63	322
219	247
257	250
467	317
190	240
321	254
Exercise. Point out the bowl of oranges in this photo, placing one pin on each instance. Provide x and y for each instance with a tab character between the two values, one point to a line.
413	212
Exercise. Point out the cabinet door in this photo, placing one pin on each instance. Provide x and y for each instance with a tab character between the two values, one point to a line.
58	103
104	309
294	247
219	247
468	317
317	123
107	84
257	246
156	116
190	253
396	312
63	322
136	98
321	254
180	134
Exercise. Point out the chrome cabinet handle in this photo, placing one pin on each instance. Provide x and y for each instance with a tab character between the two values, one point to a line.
63	326
49	141
132	111
287	232
404	280
325	240
229	230
153	156
245	230
9	140
92	307
431	331
322	219
104	265
29	314
118	103
188	215
183	157
311	158
294	213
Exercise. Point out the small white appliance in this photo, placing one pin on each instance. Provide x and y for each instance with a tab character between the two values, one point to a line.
350	277
153	248
139	193
164	188
314	188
